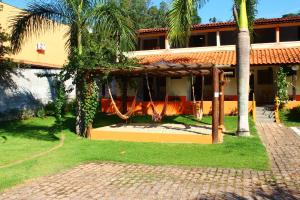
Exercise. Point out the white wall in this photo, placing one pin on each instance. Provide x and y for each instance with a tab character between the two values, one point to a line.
31	90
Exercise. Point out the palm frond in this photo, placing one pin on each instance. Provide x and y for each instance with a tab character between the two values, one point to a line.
38	18
180	20
111	18
251	11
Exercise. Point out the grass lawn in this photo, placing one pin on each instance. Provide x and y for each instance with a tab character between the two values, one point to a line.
290	117
19	139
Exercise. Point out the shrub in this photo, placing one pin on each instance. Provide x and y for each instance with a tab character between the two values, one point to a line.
49	109
41	112
295	111
70	107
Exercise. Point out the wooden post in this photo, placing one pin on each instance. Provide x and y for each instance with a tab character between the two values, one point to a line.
215	105
89	131
254	108
124	93
294	82
221	99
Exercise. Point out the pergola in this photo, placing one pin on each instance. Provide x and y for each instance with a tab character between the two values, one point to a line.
181	70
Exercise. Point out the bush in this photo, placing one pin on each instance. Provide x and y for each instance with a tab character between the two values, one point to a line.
70	107
295	111
41	112
49	109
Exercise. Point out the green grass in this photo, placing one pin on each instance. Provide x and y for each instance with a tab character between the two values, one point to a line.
24	138
290	117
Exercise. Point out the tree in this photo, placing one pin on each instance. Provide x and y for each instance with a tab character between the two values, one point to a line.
180	20
104	19
147	15
244	13
291	14
213	20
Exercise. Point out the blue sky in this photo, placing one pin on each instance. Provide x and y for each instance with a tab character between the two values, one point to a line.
221	9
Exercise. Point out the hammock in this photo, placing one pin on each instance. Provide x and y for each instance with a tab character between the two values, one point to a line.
129	113
197	106
156	116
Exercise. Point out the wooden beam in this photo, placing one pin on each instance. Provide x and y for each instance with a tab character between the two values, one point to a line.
215	105
221	101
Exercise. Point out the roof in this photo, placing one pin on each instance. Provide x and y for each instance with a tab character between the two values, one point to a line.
258	57
230	24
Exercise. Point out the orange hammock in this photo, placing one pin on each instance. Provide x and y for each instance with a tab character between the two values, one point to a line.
129	113
156	116
197	106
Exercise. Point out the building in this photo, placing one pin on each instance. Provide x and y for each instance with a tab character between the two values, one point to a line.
42	54
276	42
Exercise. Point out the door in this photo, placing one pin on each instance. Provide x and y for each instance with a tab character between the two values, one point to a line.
265	86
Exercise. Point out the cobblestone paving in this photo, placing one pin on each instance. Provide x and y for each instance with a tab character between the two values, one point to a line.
123	181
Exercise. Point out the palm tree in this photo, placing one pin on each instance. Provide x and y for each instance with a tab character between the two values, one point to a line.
180	23
83	17
244	13
180	20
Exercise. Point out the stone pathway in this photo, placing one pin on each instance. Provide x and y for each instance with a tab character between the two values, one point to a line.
122	181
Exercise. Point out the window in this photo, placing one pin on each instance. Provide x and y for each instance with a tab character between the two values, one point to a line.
212	39
150	44
153	43
289	33
197	41
265	77
266	35
228	37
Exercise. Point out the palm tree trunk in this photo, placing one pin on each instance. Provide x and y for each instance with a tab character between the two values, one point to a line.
79	115
243	71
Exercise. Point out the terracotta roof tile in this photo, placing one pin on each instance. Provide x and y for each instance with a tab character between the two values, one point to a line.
258	57
227	24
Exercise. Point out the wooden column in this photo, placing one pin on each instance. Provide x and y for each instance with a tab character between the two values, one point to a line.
221	103
215	105
294	82
124	93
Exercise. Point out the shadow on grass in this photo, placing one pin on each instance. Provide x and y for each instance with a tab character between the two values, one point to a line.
34	130
30	131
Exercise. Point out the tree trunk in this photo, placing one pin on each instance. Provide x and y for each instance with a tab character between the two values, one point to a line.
79	82
79	116
243	72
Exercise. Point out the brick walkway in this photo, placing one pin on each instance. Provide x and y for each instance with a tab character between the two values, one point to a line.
122	181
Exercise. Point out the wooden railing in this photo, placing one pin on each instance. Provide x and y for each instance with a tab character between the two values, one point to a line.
254	108
276	110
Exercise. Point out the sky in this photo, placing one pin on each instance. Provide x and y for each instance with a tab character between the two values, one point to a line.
221	9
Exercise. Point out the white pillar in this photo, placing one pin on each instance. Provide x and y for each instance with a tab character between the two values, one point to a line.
218	39
167	44
277	34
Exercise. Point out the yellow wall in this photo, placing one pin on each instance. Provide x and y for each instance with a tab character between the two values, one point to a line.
55	54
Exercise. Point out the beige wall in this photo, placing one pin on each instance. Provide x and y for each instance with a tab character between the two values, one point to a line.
179	87
55	54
